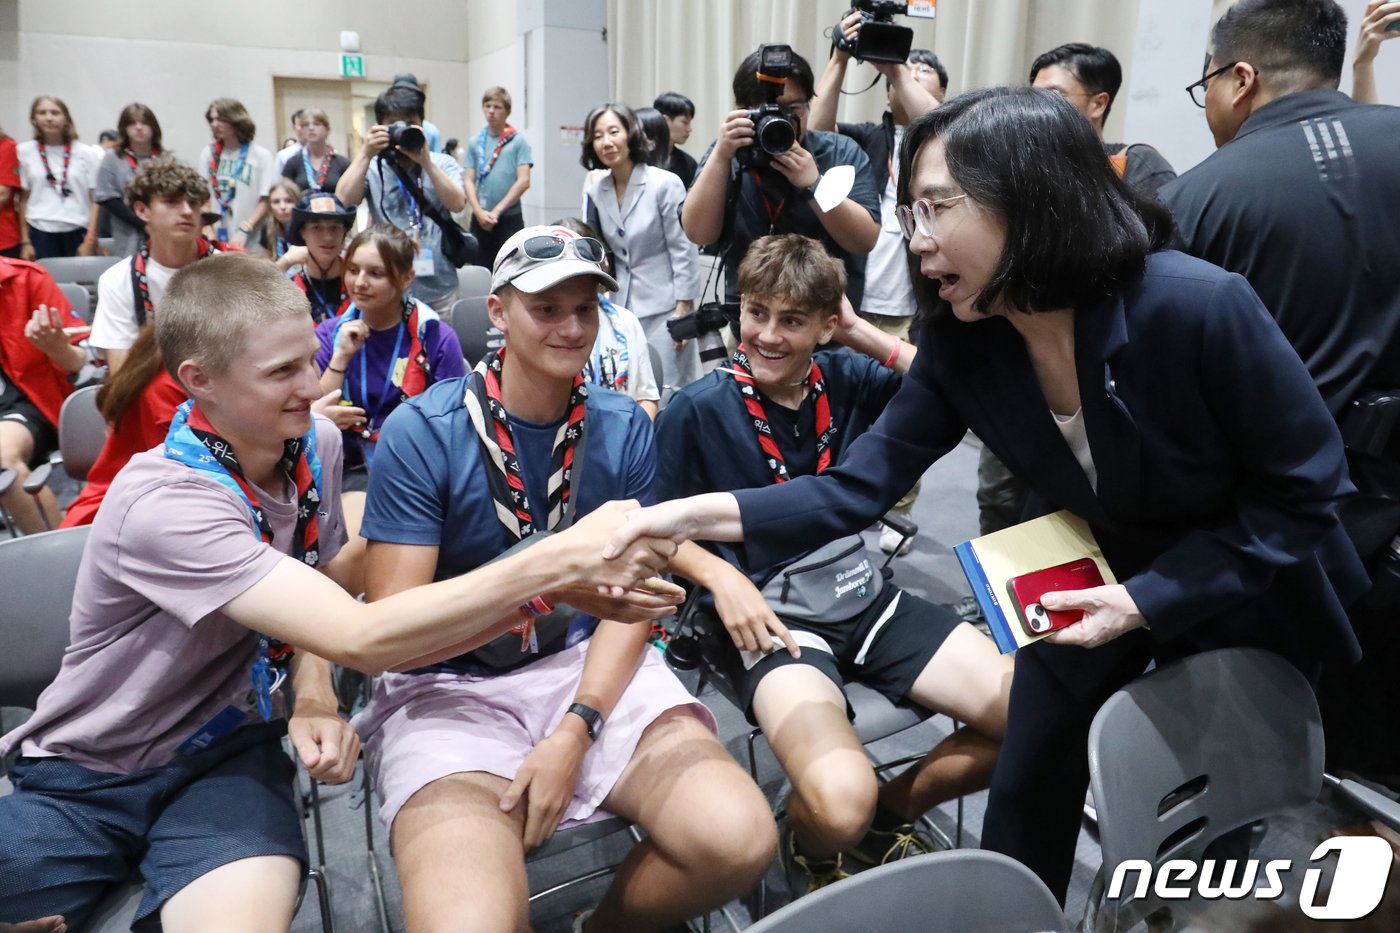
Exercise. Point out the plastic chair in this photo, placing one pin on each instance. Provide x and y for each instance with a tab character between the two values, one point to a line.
1194	749
962	891
83	270
474	281
474	330
79	298
82	432
7	480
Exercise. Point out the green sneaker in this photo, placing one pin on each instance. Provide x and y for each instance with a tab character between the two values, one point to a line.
882	846
803	874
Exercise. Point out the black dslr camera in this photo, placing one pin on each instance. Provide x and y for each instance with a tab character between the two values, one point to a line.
406	136
879	40
704	327
775	127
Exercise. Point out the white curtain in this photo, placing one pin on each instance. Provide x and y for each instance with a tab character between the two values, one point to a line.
693	46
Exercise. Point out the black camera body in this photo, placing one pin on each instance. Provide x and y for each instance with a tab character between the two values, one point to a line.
406	136
775	127
880	40
704	327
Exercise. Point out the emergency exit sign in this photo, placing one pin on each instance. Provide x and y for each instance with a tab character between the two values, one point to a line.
352	66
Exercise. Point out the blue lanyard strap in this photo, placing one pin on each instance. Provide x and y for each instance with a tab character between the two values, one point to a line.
415	216
373	418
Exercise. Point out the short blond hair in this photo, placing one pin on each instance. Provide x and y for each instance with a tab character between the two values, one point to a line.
794	268
499	94
210	307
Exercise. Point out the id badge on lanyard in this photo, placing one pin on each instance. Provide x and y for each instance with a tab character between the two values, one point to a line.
223	723
221	232
423	262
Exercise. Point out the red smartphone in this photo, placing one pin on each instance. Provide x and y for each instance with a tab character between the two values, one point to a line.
1026	592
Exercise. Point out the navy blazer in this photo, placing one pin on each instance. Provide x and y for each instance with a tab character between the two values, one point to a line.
1219	467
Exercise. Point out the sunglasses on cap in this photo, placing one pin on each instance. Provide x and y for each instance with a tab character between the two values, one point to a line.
552	247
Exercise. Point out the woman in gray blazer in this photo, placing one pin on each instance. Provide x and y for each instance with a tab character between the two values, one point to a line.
636	208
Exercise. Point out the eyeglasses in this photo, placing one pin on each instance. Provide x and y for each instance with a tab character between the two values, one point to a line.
1198	89
920	215
552	247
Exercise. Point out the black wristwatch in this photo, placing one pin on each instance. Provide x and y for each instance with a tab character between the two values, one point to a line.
808	192
591	718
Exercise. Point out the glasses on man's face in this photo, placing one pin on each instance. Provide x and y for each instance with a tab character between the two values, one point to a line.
922	215
551	247
1198	89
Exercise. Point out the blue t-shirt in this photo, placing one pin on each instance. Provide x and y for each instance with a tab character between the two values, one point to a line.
499	180
706	441
429	485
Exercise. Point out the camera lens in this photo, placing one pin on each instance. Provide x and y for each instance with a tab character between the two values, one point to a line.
776	135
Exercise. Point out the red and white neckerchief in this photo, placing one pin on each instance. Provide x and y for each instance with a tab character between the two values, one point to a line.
483	402
815	383
141	287
134	160
60	184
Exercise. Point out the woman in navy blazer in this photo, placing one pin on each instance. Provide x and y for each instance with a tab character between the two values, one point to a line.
1146	391
636	208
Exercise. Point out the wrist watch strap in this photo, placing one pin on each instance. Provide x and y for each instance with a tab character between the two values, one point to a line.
591	718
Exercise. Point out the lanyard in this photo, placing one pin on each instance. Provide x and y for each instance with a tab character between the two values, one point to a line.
61	185
281	247
415	216
192	441
317	179
744	376
599	371
369	432
768	208
483	166
317	298
224	192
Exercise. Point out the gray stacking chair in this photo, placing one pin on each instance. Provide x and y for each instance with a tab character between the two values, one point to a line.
962	891
85	270
473	282
474	330
1194	749
79	298
82	431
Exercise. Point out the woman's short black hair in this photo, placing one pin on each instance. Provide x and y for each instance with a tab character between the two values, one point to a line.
636	140
658	134
1074	230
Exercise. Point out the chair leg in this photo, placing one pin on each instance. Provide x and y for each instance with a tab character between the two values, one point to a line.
323	898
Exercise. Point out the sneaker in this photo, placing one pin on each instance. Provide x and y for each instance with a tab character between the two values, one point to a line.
892	542
805	875
882	846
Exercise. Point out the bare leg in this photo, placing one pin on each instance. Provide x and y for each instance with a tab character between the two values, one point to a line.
256	895
970	681
16	447
803	716
710	834
42	925
460	859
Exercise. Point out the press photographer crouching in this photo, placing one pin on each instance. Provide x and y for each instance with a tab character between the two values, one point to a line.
413	189
762	175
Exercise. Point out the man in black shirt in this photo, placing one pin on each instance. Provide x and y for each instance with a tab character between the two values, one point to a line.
1302	198
678	110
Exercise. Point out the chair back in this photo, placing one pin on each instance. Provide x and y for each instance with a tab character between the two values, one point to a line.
83	270
81	432
37	575
474	331
1199	747
960	891
79	298
474	281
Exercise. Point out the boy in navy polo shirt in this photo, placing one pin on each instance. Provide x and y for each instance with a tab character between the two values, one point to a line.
782	410
477	760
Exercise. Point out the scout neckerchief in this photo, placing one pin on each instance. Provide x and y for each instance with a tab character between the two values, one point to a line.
134	160
484	165
60	184
817	385
415	374
483	401
192	441
224	191
320	308
142	287
317	179
610	373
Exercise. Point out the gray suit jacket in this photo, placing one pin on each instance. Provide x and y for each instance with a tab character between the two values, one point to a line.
654	262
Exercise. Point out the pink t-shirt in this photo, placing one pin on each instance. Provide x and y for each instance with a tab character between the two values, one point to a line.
150	658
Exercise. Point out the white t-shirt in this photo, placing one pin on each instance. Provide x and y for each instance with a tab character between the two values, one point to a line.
616	331
1077	437
48	210
286	155
887	286
254	182
114	324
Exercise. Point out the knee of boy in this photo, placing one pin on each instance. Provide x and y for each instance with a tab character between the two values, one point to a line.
843	801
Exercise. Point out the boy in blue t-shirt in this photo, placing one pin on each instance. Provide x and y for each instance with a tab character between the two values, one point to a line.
785	410
478	759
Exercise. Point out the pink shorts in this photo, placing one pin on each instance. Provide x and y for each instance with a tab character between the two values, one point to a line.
418	728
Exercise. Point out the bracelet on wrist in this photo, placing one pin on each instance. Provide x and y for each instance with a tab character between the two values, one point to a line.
539	606
894	353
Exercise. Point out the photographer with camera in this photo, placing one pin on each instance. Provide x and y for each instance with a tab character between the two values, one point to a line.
407	185
761	174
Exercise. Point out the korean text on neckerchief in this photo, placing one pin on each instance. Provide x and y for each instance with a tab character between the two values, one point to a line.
815	383
193	442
